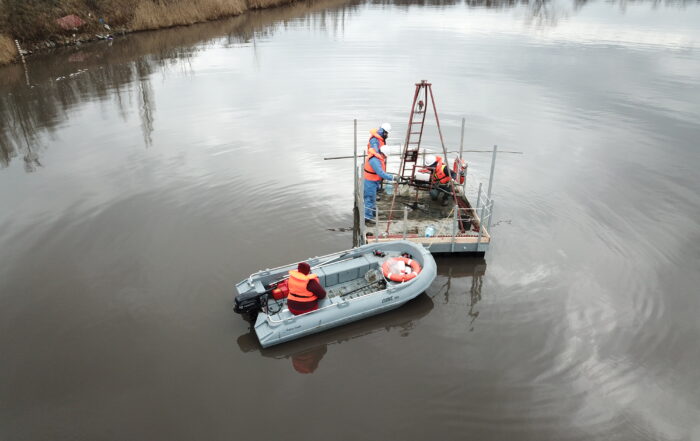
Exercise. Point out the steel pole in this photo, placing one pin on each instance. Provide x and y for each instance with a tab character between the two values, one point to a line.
454	228
493	166
376	226
490	217
354	167
461	142
481	228
405	221
358	191
461	152
478	199
363	227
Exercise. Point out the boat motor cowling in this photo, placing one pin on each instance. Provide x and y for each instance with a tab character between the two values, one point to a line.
249	303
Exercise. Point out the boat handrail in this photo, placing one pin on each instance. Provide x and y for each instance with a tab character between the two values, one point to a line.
317	258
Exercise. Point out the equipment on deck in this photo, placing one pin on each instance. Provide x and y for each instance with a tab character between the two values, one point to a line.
422	96
400	269
459	166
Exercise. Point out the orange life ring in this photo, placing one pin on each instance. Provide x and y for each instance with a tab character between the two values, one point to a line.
400	277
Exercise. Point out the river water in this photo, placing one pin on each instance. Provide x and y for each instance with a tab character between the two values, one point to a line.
141	178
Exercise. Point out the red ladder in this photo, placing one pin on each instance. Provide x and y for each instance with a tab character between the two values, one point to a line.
411	148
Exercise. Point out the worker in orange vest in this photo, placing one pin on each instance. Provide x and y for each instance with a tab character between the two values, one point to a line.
375	169
304	290
440	178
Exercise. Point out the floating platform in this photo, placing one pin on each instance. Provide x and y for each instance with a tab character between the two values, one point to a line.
416	217
456	219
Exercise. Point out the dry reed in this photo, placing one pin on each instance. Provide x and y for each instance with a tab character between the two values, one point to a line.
260	4
150	15
8	50
34	21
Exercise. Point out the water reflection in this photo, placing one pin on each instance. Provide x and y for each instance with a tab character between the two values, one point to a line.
458	284
121	71
544	13
146	103
306	353
456	270
586	325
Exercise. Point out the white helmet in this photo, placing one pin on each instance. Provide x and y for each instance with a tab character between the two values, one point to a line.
386	127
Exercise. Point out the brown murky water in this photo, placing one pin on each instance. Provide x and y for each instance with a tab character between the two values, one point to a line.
141	178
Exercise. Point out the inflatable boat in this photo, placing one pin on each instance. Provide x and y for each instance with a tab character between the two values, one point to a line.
359	283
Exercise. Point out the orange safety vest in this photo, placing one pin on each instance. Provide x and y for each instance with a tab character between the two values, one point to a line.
440	174
370	175
297	287
373	134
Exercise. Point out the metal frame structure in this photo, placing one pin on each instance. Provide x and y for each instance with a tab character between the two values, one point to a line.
475	207
467	227
411	149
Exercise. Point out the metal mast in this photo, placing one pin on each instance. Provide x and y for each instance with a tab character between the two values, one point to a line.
414	136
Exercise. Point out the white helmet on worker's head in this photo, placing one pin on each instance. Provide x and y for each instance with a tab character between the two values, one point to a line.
386	127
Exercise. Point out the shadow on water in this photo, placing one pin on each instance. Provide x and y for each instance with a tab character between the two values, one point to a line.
306	353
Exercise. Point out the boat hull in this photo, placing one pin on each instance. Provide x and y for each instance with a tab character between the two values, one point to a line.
279	326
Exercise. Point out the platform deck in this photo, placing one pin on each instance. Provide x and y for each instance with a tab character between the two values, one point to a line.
414	212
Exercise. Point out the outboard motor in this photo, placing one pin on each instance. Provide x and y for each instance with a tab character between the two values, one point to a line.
249	303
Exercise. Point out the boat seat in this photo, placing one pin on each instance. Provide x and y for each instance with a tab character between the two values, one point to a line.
344	271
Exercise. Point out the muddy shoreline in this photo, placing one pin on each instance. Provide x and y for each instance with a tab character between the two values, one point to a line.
12	49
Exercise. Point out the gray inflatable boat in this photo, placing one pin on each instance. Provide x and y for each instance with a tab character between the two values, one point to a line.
360	283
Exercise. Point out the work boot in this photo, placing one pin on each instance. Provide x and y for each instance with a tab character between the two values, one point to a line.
370	222
434	194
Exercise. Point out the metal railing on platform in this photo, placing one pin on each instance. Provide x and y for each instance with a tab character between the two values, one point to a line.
462	222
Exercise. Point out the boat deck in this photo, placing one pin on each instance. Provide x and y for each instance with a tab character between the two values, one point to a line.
351	284
337	294
355	285
456	228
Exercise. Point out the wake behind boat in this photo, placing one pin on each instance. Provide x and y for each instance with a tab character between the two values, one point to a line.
360	283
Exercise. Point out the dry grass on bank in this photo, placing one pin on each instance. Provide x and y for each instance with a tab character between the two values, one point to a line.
8	50
155	15
261	4
34	21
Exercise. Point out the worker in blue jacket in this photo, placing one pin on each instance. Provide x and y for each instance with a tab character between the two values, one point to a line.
375	169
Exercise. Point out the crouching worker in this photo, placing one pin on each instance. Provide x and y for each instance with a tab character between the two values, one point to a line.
304	290
440	179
